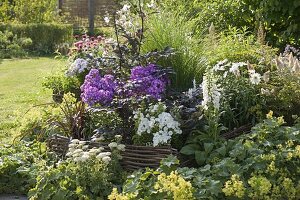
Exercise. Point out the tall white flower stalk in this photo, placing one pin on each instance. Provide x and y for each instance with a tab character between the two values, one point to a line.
211	91
211	102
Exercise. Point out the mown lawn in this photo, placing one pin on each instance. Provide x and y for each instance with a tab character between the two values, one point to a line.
20	89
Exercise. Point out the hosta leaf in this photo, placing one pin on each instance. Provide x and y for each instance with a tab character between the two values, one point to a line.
200	157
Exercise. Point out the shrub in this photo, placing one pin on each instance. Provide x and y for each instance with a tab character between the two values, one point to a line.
23	11
45	37
60	84
236	45
279	18
12	46
282	90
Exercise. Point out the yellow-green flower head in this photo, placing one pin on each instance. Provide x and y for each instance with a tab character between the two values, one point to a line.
234	187
260	186
270	115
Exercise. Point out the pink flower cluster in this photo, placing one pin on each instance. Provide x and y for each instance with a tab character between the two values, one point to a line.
86	42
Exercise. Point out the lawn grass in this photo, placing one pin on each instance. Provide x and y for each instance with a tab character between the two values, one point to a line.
20	89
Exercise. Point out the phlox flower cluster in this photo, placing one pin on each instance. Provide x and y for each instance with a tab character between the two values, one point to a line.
77	67
148	81
97	89
79	152
143	81
156	121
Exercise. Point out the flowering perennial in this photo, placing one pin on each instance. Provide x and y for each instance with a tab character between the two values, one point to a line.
148	81
77	67
157	122
80	152
211	92
98	90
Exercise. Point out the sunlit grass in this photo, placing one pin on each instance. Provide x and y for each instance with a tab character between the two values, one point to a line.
20	89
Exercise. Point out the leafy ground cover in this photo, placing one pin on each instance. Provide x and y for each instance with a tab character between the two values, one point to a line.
157	83
20	89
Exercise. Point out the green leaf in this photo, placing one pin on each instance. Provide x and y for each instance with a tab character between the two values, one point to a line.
200	157
221	150
190	149
169	161
208	147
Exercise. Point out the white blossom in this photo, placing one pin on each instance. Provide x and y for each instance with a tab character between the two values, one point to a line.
255	78
211	93
161	138
78	66
106	159
121	147
220	66
112	145
153	120
106	20
75	141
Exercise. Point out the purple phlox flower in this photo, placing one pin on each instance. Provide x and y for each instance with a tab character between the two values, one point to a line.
148	81
98	90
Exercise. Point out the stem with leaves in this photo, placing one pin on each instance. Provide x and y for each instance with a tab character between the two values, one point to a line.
118	41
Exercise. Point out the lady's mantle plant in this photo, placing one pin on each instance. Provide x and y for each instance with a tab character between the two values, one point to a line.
155	126
87	173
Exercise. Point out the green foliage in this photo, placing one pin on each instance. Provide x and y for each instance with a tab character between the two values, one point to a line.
60	84
19	166
263	165
37	124
45	37
163	183
91	179
280	19
282	90
11	46
23	11
105	122
236	45
172	30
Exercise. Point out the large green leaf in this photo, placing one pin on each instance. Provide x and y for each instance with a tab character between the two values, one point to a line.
190	149
200	157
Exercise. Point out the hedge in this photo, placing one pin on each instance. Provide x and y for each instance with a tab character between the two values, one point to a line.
45	37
